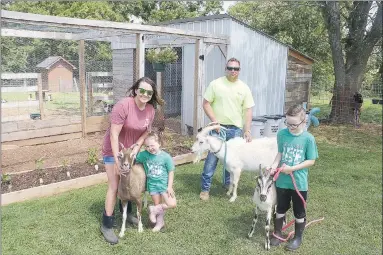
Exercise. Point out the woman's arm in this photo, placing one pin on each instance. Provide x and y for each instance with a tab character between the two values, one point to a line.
114	133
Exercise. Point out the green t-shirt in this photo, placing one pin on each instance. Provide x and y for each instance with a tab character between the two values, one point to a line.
229	100
157	168
295	149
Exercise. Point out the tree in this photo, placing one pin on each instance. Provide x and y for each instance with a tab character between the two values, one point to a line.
299	24
361	22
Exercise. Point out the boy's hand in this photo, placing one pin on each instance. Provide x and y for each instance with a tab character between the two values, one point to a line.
271	170
287	169
170	191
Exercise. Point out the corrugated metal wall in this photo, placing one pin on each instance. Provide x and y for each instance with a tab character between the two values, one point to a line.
263	63
263	67
215	64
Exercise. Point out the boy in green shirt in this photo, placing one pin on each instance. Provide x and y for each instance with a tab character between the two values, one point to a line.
159	170
297	151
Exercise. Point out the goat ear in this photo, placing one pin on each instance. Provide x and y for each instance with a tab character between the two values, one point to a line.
199	130
120	155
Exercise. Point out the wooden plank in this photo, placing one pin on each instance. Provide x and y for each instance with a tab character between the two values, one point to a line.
52	189
97	123
44	140
16	76
81	56
199	79
64	186
28	134
41	99
102	25
140	56
300	57
35	34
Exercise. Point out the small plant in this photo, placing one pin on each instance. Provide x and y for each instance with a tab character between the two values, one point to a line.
65	163
163	56
39	167
39	163
6	179
92	157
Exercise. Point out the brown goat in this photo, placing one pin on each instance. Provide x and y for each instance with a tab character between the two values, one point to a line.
131	186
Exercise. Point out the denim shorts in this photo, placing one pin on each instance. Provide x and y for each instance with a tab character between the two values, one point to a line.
108	160
157	193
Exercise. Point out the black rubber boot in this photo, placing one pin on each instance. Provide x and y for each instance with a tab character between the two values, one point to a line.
294	243
278	223
129	217
107	229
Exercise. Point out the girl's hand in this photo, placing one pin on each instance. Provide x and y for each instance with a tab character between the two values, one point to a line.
287	169
170	191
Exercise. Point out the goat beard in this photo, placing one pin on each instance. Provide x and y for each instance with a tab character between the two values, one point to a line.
197	157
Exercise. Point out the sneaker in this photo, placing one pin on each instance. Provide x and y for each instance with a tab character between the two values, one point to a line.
204	195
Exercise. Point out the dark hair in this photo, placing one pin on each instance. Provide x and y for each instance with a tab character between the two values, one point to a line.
296	110
155	100
233	60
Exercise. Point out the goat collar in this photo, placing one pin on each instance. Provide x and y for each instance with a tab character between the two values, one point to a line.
220	148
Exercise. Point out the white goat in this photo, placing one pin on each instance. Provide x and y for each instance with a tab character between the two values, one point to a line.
240	155
131	186
265	199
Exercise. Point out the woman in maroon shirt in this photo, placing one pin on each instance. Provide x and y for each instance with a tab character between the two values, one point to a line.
131	120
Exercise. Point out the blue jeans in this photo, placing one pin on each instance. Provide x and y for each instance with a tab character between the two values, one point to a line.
211	160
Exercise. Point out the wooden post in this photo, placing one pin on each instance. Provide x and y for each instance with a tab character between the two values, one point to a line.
199	80
90	94
140	56
81	55
160	91
41	99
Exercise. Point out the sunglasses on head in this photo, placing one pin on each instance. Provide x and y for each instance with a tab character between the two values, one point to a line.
143	91
230	68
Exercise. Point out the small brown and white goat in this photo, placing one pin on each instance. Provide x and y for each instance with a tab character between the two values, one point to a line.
131	186
265	199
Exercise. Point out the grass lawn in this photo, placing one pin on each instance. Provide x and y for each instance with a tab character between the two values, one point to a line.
345	188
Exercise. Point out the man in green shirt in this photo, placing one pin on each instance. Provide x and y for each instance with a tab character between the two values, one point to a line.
228	101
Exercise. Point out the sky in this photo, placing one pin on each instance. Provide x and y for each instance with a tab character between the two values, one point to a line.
226	5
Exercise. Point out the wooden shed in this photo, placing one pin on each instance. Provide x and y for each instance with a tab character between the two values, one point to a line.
56	74
277	74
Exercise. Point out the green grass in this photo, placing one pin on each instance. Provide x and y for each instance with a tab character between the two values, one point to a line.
345	188
371	113
68	102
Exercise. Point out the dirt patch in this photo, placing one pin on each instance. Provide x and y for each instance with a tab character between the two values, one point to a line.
22	167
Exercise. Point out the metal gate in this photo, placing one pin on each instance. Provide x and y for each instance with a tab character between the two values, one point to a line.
172	84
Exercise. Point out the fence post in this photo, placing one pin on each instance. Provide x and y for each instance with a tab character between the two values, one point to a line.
199	80
41	99
81	55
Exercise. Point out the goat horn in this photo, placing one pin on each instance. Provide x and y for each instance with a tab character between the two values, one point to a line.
207	129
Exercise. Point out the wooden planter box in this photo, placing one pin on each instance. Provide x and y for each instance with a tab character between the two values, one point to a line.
78	183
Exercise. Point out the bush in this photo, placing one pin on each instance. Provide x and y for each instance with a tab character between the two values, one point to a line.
163	56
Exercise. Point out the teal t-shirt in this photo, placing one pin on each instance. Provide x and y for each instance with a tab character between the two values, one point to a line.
157	168
295	149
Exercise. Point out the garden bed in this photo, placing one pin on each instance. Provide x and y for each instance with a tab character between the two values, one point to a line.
30	179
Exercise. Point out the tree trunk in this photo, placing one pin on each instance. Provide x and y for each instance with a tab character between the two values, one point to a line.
349	69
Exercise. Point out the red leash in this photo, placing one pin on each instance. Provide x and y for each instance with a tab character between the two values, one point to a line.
276	175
